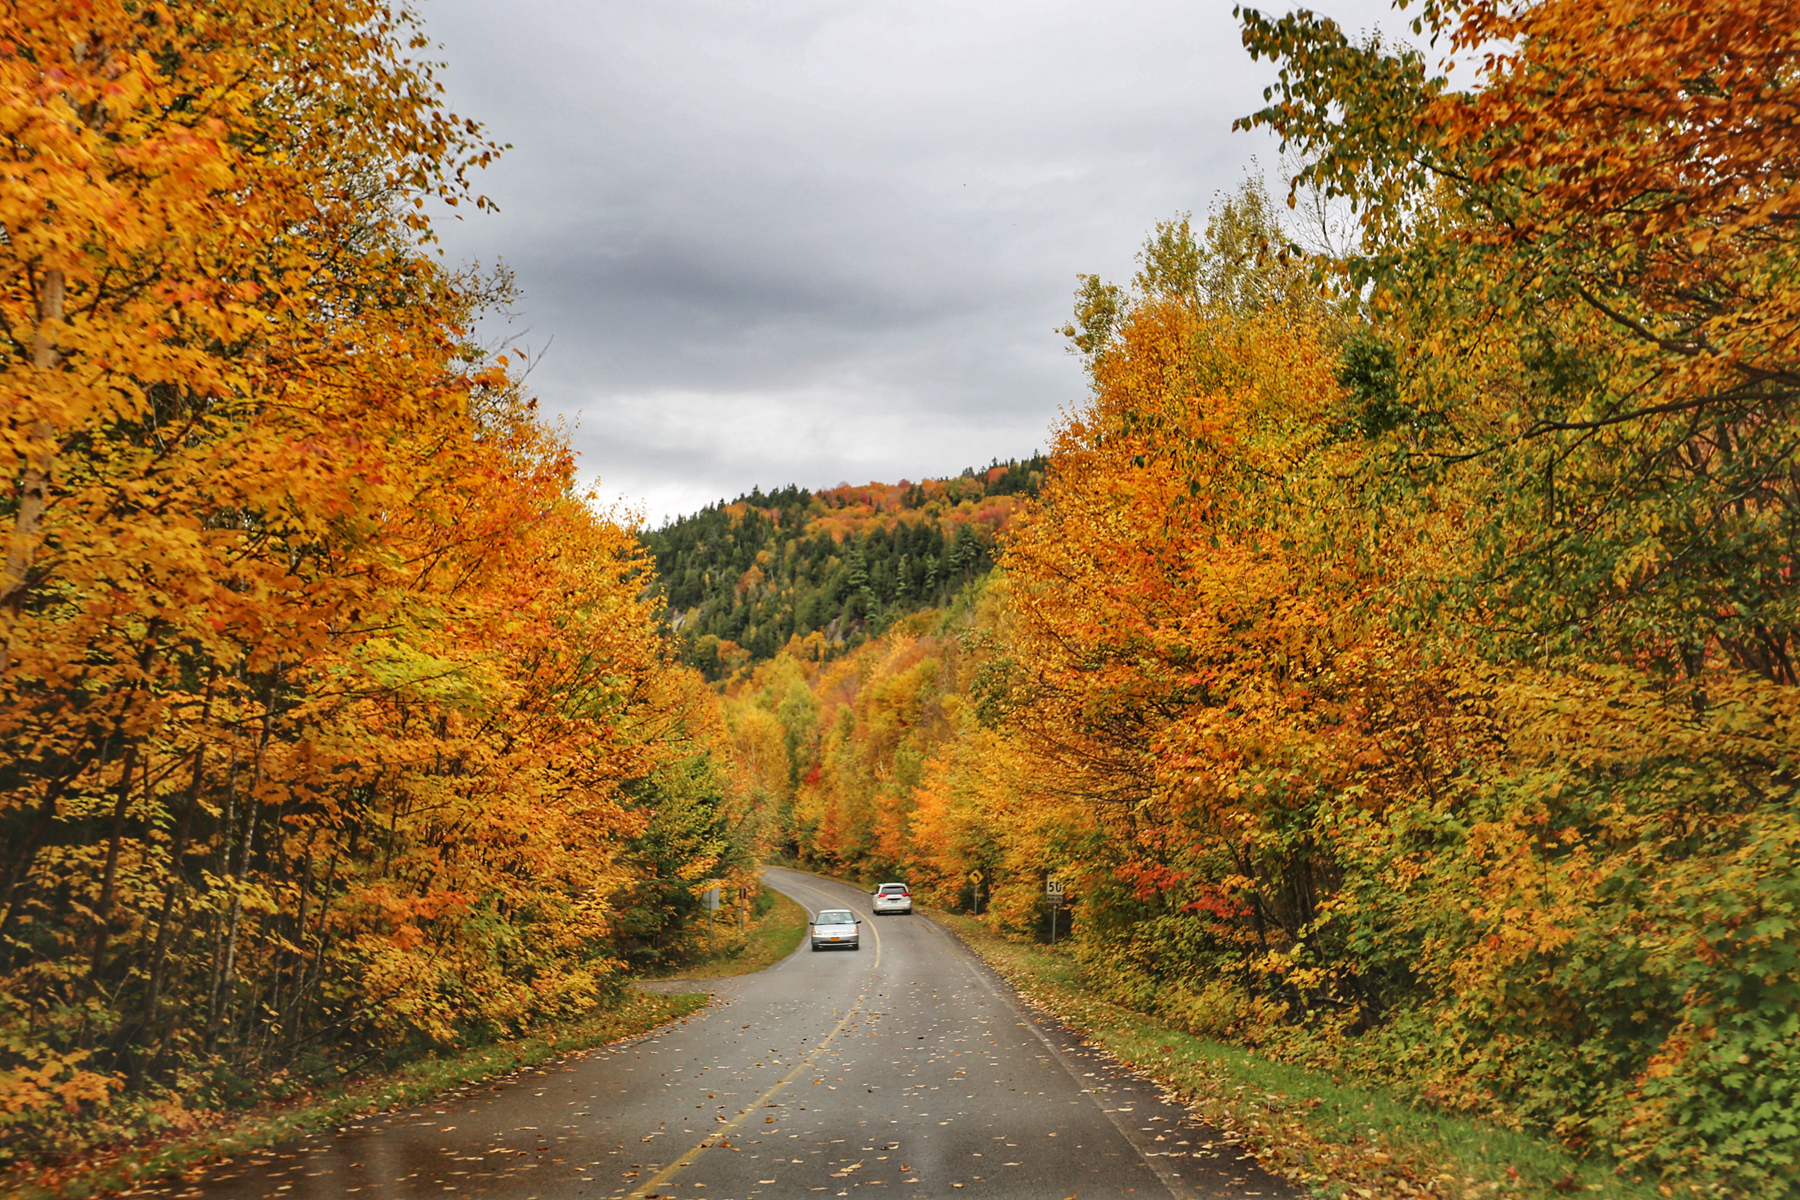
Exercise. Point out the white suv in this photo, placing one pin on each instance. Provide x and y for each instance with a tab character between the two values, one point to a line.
893	898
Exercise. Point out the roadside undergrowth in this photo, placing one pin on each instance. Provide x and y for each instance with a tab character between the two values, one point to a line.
1329	1135
117	1168
772	937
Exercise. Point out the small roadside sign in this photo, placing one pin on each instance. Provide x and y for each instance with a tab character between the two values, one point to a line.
1053	893
975	877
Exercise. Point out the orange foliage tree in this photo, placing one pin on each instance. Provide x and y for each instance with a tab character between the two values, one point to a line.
322	696
1582	280
1203	664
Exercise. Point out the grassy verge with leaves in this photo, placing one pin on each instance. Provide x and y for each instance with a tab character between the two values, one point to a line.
271	1124
1331	1135
772	937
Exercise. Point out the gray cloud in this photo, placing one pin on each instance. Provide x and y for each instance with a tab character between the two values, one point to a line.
805	241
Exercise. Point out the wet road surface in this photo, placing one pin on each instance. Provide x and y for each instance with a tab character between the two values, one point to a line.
903	1068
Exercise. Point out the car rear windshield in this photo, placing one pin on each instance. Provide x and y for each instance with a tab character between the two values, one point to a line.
893	889
834	917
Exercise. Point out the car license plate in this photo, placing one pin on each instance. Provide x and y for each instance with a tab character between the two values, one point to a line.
834	937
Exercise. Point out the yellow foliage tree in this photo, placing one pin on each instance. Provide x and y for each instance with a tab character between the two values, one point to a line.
322	695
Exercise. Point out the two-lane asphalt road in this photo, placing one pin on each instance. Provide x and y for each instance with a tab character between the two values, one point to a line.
905	1067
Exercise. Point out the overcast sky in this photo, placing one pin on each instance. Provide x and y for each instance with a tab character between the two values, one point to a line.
813	241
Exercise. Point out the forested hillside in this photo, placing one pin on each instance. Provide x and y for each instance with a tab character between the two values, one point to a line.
831	567
1397	663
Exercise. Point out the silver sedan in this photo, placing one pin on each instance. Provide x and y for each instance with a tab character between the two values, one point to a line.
835	927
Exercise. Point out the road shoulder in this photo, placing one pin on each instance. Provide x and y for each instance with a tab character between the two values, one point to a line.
1323	1134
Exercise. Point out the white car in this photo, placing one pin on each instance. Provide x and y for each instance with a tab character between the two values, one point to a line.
893	898
835	927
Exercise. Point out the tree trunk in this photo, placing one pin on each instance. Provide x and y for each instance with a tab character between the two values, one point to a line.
228	972
103	909
159	953
34	483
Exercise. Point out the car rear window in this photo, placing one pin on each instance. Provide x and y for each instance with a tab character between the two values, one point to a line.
892	889
834	916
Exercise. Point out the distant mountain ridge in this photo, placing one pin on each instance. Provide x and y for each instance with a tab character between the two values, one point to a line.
830	567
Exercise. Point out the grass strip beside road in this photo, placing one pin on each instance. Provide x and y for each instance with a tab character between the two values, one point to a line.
274	1123
1329	1135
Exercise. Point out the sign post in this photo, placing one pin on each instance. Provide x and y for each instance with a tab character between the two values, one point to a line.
1053	892
975	878
711	901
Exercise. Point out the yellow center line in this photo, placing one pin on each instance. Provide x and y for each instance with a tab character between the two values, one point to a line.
686	1160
